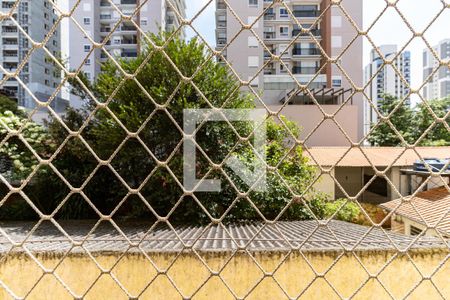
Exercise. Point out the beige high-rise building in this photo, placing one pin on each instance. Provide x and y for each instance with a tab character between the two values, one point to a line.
276	28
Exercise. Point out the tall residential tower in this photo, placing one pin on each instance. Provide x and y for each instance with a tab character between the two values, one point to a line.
98	19
386	79
438	86
314	28
37	18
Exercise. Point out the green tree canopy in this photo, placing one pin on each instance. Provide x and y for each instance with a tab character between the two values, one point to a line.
140	133
411	123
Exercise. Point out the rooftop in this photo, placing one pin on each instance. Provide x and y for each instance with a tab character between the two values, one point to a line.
304	235
430	208
378	156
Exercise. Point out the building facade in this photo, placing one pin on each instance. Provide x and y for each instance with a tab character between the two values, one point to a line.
385	79
98	18
39	74
437	83
300	36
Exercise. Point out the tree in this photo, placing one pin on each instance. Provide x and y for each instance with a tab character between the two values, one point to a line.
402	119
439	135
411	124
135	105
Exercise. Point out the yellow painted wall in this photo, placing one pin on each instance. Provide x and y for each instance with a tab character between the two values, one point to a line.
241	273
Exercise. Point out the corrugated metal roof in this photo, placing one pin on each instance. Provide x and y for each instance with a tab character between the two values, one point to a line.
305	234
433	205
379	156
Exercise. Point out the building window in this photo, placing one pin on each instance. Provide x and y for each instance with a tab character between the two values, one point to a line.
284	31
336	21
47	82
336	41
254	82
251	20
143	22
337	82
46	71
87	62
88	75
283	12
87	21
87	48
253	42
414	230
253	3
253	61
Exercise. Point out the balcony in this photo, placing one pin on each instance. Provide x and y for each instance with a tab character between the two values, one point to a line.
105	4
128	2
221	24
221	5
314	32
269	35
269	16
221	41
306	51
305	70
306	13
129	42
128	28
105	17
127	54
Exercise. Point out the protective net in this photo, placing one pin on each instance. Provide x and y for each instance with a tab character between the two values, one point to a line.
179	152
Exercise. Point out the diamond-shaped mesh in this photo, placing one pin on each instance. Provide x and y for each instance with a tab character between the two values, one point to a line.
272	256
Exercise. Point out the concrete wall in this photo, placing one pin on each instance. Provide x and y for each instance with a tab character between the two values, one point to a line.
325	184
351	60
350	179
403	225
328	133
134	272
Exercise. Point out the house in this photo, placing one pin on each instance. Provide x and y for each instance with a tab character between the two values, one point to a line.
355	169
428	210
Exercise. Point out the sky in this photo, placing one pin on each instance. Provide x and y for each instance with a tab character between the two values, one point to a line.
389	29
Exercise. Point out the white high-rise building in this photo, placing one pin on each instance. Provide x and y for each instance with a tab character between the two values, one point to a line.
98	18
438	86
386	80
39	74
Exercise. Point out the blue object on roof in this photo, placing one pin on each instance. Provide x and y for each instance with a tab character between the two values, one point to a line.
435	164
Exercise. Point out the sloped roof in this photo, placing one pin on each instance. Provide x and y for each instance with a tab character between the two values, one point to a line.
379	156
427	208
306	235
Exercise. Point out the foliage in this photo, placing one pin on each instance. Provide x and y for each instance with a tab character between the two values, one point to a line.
323	208
412	123
134	106
8	104
402	119
439	135
23	160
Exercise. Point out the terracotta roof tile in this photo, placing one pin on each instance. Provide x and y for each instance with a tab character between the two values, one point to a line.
378	156
430	208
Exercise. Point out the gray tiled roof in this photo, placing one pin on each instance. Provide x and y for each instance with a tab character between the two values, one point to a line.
306	235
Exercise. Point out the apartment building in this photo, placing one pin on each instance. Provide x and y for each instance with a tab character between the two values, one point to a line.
386	79
438	85
39	74
98	18
313	25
